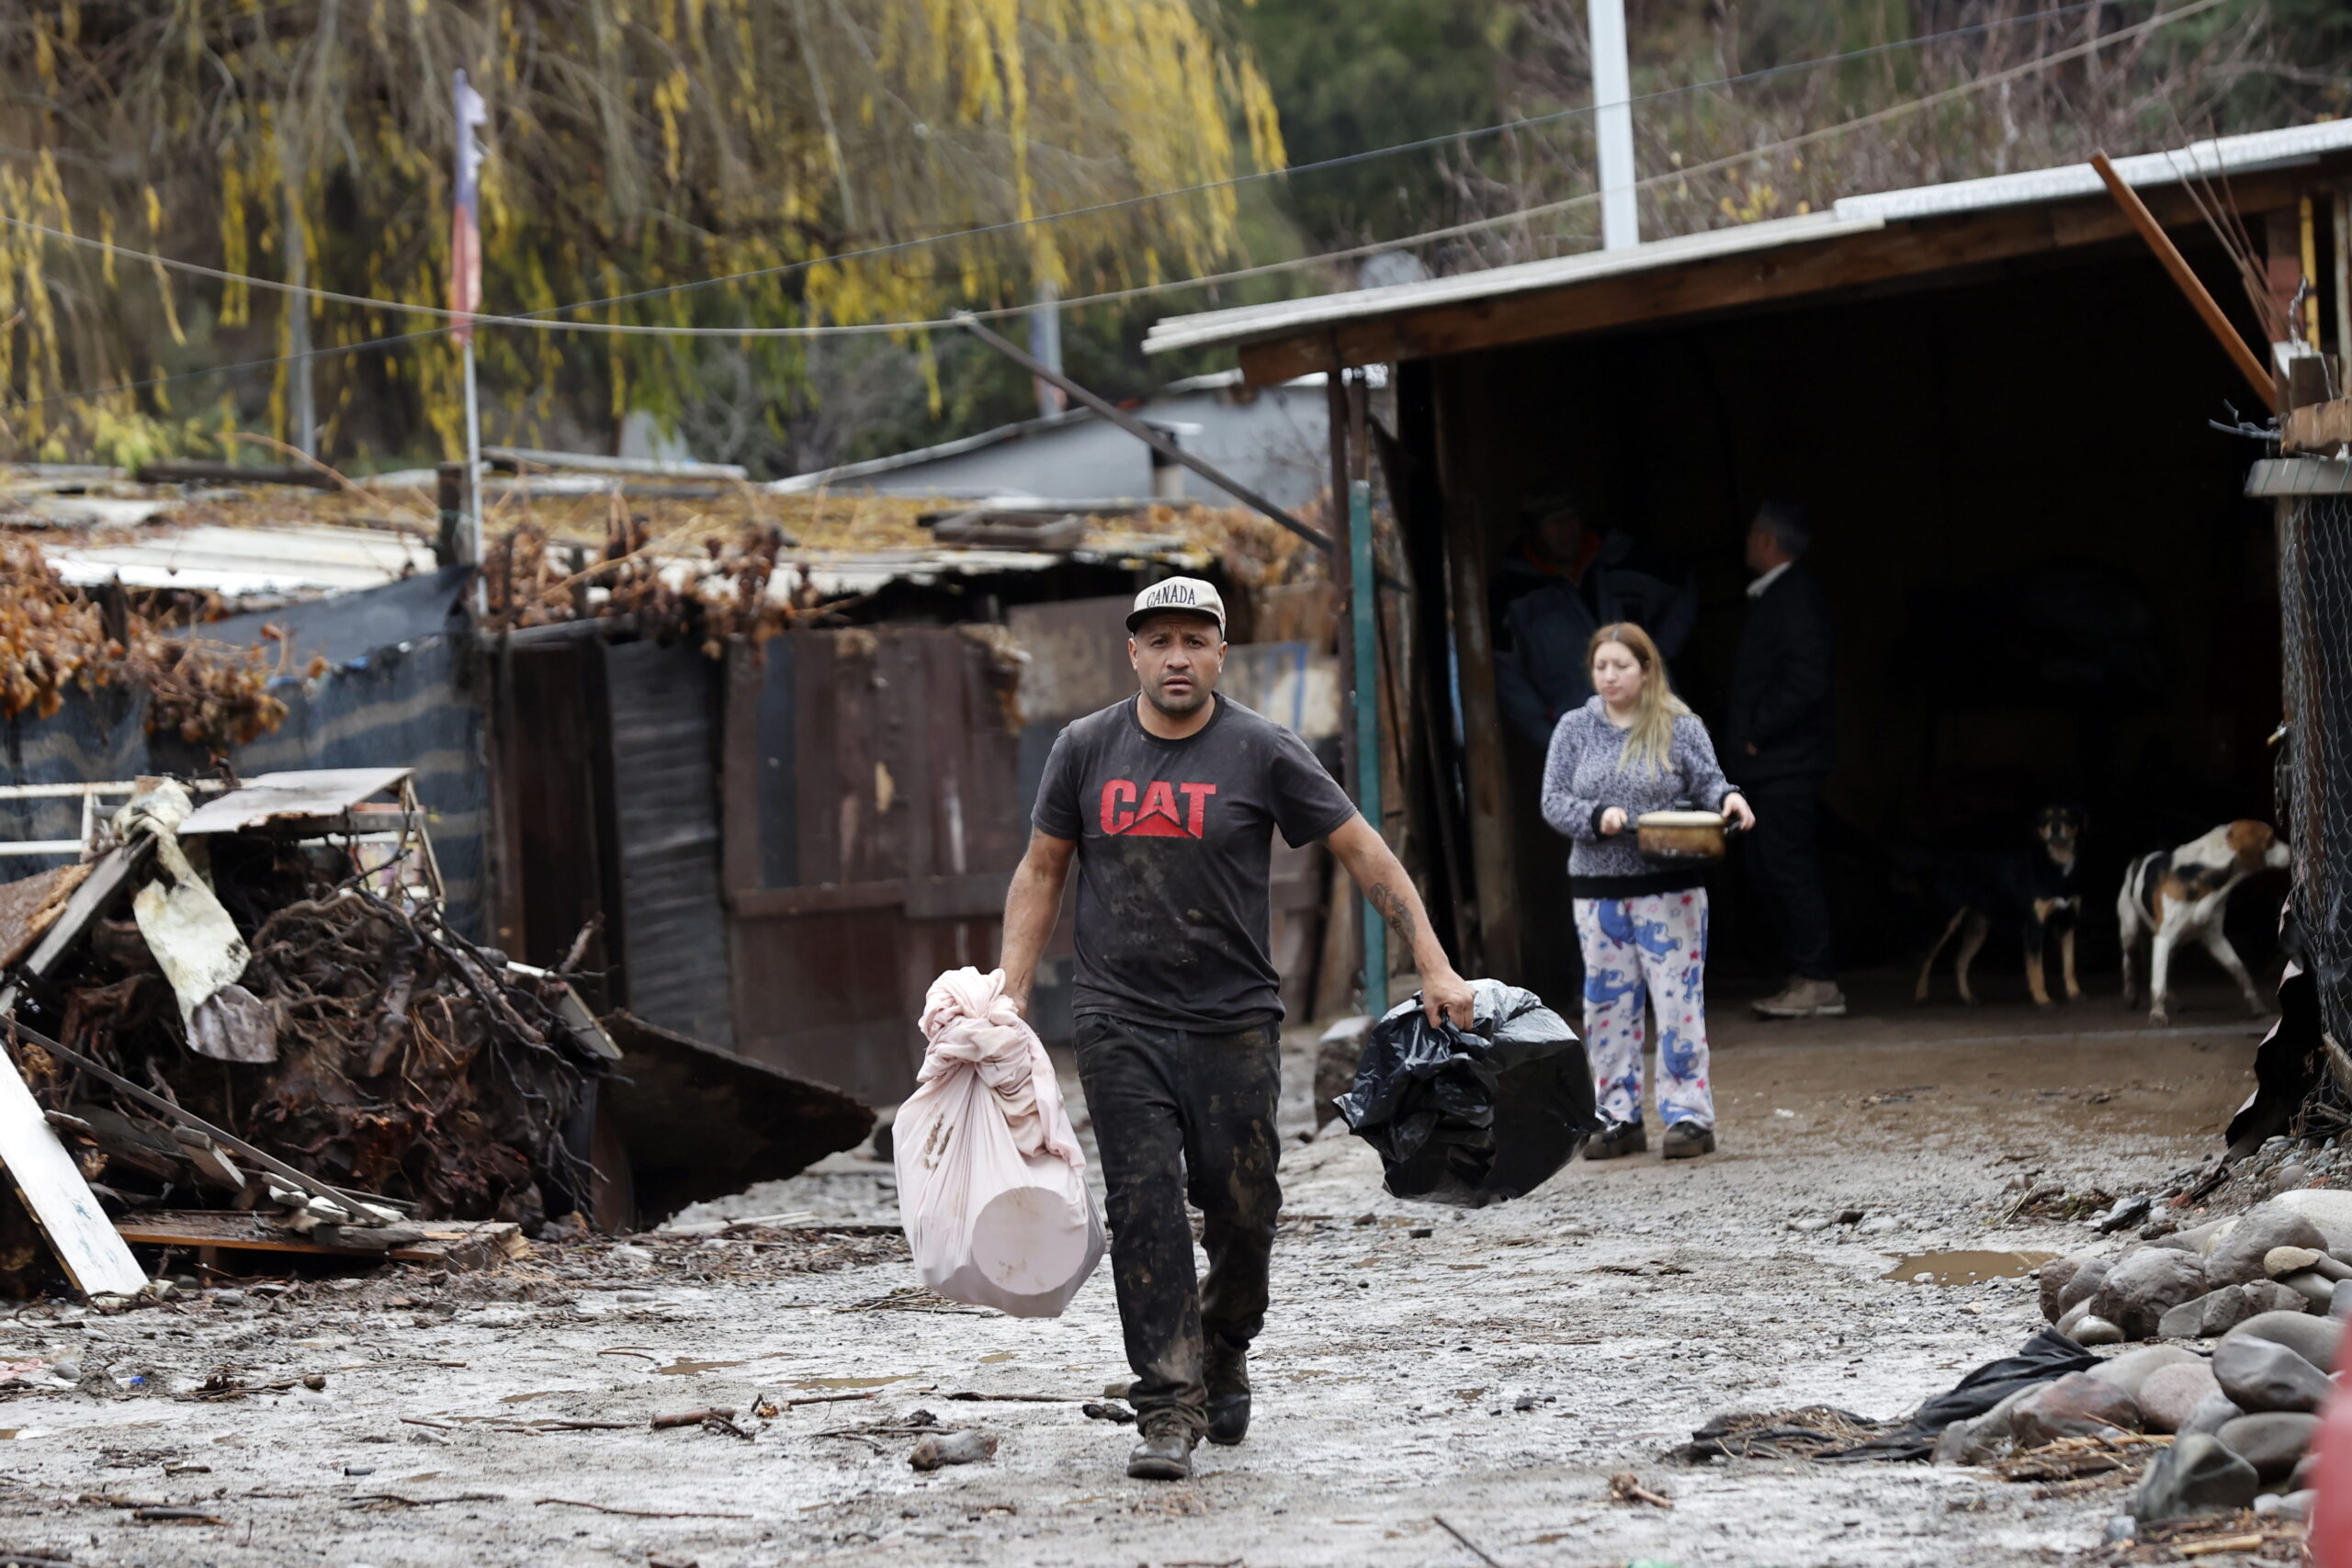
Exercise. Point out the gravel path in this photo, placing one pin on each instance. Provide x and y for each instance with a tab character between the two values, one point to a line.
1493	1373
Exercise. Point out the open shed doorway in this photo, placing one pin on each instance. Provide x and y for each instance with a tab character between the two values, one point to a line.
2047	586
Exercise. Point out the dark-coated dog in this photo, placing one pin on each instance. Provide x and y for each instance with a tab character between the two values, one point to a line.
2038	891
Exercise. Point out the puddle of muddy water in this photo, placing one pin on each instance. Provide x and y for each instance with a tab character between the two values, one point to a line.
1965	1268
1000	1355
526	1398
685	1368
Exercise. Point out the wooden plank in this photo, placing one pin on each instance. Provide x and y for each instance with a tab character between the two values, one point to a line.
58	1198
29	906
1916	248
1485	766
738	766
466	1244
2319	427
974	896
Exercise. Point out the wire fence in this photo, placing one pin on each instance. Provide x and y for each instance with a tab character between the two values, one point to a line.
2314	767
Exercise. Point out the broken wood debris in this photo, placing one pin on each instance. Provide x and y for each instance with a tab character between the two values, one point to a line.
635	1512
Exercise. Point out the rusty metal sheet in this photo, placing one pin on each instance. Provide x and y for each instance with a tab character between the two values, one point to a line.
326	792
1077	656
701	1122
29	907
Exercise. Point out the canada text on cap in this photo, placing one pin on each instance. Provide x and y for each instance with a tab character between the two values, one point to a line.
1179	595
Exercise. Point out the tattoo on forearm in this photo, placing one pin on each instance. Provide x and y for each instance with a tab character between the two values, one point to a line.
1393	908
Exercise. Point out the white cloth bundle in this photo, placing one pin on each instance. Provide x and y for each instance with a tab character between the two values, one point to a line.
992	1182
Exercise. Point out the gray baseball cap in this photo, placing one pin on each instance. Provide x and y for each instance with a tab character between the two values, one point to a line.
1179	595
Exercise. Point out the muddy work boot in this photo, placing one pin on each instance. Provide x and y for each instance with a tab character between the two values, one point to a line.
1805	999
1618	1140
1688	1139
1165	1453
1226	1368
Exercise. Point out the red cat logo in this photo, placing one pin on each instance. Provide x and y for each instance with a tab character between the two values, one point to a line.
1155	817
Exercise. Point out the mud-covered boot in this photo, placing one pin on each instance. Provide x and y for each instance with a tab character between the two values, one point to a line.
1688	1140
1618	1140
1226	1370
1165	1453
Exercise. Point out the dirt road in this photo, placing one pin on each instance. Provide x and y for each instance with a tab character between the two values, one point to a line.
1492	1374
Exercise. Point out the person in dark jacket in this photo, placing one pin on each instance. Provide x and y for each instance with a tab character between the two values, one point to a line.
1556	587
1782	737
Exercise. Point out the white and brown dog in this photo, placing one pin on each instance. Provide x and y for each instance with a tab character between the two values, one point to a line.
2176	896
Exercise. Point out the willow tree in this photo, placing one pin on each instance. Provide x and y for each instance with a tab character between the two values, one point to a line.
634	145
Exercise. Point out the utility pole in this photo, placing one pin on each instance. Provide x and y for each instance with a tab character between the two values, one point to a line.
1045	346
297	273
1612	92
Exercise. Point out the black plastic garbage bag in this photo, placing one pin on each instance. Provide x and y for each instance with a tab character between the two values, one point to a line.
1473	1117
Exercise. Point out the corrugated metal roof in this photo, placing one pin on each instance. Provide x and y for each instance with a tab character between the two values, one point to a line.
1851	214
238	563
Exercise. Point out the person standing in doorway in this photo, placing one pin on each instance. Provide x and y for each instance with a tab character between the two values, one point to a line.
1782	737
1642	928
1560	583
1167	801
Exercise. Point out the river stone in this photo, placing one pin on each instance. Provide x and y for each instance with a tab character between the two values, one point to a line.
2092	1329
2237	1260
2271	1442
2081	1284
2144	1285
2201	1239
2217	1410
2170	1394
2329	1208
2073	1315
2313	1286
2054	1277
2262	1375
2131	1370
2187	1321
2077	1406
2314	1338
2195	1476
1981	1437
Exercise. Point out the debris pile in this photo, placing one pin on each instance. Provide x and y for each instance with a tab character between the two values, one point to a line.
282	1024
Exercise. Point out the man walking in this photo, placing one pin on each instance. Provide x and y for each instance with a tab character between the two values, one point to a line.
1167	801
1783	736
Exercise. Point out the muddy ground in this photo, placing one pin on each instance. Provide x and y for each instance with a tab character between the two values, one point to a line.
1494	1372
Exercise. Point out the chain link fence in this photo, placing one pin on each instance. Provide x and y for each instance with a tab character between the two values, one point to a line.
2315	764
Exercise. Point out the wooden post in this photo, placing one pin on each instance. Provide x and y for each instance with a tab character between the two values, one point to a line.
1486	768
450	542
2341	234
2249	364
1362	615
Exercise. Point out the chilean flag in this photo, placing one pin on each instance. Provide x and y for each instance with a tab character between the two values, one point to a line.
465	230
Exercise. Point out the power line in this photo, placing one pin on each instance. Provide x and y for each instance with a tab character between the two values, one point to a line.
539	321
1343	160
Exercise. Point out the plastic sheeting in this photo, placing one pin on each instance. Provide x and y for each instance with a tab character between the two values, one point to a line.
1477	1116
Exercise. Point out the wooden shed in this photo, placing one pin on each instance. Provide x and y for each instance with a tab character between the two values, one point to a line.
2013	435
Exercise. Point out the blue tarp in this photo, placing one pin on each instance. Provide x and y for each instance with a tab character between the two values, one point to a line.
397	706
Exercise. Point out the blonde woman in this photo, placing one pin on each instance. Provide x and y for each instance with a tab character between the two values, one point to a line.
1636	747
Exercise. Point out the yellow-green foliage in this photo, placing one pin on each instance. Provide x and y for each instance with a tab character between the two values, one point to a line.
634	143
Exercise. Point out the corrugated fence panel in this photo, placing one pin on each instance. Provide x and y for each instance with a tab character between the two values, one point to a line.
666	803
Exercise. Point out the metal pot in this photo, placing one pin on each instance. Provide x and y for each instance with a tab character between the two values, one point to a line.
1678	838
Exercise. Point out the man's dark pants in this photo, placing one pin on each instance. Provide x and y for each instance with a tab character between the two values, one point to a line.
1784	857
1180	1115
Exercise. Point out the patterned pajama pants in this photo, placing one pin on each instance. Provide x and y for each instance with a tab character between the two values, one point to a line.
1650	948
